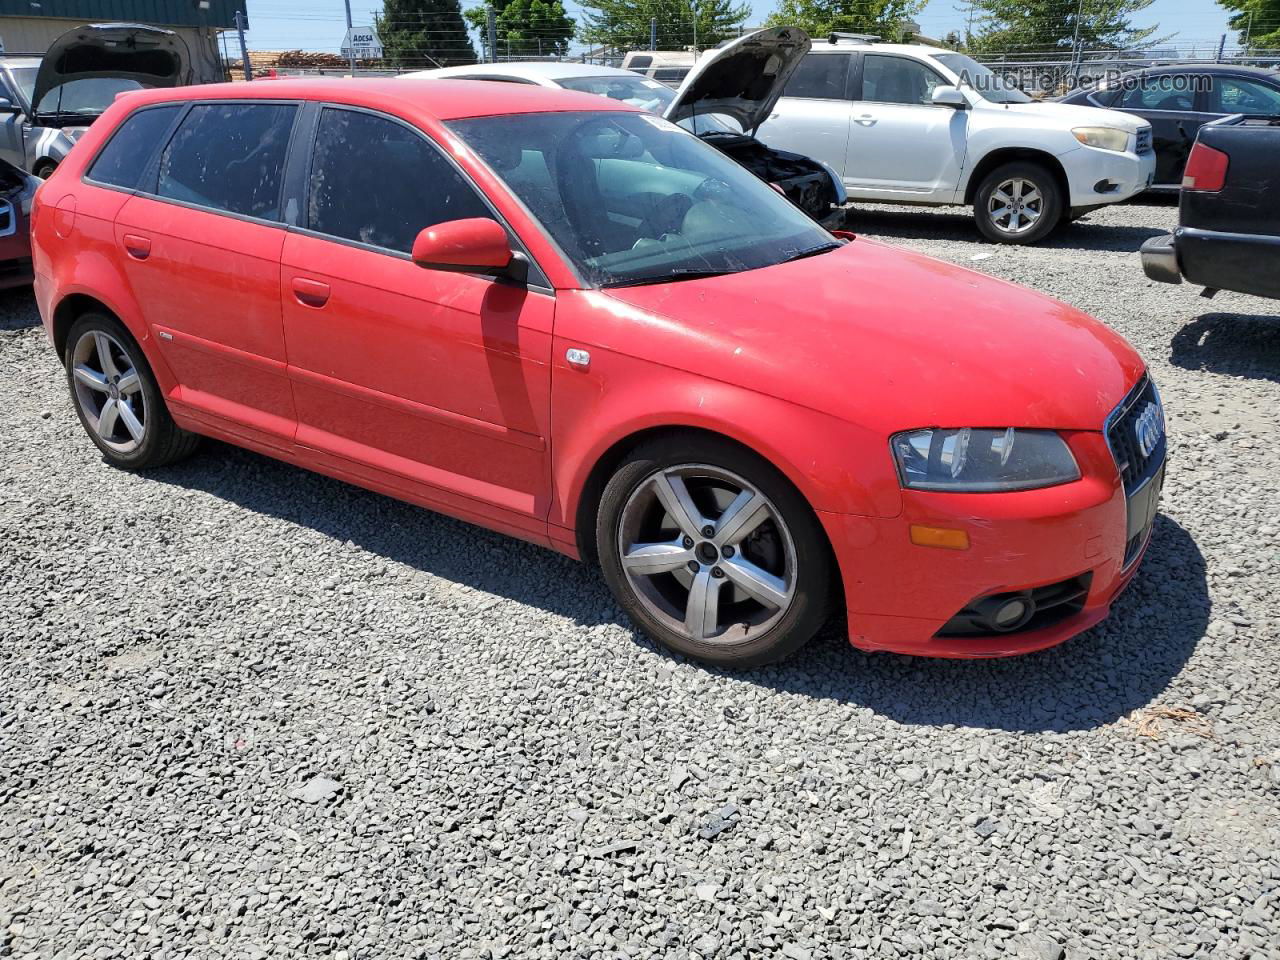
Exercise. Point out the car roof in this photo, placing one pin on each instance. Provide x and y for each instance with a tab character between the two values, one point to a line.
525	70
853	46
443	101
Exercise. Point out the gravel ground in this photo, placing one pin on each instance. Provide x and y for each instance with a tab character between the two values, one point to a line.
246	711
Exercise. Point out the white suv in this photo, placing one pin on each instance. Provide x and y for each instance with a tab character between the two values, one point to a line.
916	124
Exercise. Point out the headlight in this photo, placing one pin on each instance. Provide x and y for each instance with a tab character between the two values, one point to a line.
969	460
1104	138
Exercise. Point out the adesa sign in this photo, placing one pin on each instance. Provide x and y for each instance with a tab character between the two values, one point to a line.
362	43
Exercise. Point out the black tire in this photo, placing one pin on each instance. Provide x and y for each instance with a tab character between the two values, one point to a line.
44	169
1050	211
163	441
814	566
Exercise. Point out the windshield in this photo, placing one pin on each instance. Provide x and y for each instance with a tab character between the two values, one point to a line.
638	91
25	78
631	198
86	97
990	86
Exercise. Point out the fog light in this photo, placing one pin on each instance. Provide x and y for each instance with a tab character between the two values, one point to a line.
1012	613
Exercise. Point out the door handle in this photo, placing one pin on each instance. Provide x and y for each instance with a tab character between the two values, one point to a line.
866	119
137	247
310	293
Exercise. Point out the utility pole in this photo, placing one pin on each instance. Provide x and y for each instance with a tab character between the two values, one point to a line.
694	10
244	50
653	33
352	47
1075	41
1248	32
1221	46
491	28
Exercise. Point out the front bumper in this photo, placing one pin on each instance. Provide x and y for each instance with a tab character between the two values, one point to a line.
1106	176
900	595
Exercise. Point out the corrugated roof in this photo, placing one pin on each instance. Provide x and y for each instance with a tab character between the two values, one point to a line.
169	13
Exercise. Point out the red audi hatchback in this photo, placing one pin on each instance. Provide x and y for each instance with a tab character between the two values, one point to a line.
570	321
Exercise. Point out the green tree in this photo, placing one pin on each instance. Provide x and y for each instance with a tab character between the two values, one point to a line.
883	18
1042	26
1258	22
423	33
624	24
526	28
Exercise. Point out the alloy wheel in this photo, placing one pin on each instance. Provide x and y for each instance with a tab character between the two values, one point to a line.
1015	206
109	391
707	553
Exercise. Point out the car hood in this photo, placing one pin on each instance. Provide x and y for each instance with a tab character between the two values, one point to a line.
131	51
886	339
1074	115
743	79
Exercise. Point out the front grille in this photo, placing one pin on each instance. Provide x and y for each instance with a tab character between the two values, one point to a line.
1136	466
1050	605
1144	140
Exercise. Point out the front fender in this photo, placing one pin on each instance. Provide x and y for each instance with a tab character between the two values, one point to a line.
837	466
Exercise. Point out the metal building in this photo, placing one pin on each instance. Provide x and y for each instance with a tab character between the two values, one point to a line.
27	27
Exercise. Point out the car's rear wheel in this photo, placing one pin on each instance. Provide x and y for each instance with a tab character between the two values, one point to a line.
1018	203
713	552
117	398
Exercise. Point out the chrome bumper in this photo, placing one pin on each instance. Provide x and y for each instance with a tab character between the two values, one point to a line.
1160	260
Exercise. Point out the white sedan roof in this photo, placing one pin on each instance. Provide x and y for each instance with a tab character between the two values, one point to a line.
533	71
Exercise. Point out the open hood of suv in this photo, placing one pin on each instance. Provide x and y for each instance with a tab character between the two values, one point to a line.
128	51
743	79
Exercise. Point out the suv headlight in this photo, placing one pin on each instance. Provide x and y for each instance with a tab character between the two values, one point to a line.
1104	138
972	460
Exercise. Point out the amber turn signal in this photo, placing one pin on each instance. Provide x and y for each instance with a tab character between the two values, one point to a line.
939	537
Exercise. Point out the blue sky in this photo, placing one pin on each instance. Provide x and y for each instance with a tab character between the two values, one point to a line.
320	24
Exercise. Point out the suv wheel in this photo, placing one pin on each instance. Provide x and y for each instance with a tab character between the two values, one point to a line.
713	552
118	399
1018	203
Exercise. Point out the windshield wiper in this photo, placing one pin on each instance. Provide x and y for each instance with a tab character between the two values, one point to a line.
678	274
813	251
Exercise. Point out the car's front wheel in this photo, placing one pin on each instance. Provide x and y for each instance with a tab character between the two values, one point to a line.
713	552
44	169
1018	203
117	397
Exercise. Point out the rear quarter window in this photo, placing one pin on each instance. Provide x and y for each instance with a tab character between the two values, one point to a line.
126	155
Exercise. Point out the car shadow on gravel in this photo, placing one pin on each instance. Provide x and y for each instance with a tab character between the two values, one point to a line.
18	309
1123	664
956	223
1238	344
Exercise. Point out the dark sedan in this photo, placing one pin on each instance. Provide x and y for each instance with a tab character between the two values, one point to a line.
1178	100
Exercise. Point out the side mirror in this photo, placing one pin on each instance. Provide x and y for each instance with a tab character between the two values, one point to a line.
474	245
8	106
947	96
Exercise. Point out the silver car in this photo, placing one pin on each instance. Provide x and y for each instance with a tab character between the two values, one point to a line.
47	102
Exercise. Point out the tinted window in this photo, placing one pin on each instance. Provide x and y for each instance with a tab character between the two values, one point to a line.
1237	95
820	76
1169	92
638	63
897	80
376	181
126	154
229	156
670	74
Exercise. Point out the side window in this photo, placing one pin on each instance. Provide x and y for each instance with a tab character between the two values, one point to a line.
820	76
897	80
376	181
229	156
1171	92
639	63
126	154
1238	95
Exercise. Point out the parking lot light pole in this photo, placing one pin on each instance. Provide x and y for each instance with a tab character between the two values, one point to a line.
352	48
244	50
